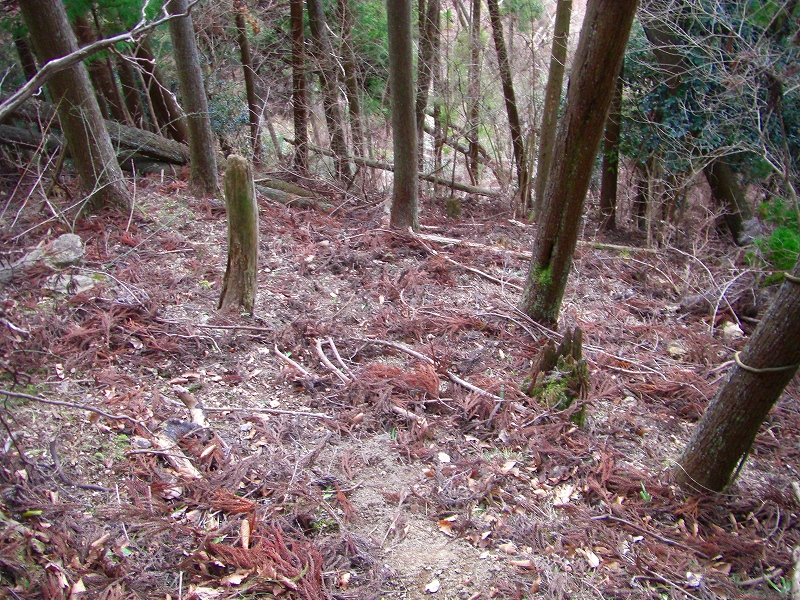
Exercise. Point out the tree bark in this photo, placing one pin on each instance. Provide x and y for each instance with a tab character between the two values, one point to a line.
601	48
299	110
552	99
404	125
130	92
253	105
203	178
729	194
517	142
241	274
474	90
102	76
350	68
168	115
26	59
722	439
608	185
330	91
429	36
84	129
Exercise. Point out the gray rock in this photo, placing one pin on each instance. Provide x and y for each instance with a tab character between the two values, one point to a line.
66	250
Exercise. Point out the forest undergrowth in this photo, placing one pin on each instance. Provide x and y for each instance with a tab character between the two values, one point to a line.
365	433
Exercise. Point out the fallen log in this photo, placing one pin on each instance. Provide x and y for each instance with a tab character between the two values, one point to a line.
129	141
374	164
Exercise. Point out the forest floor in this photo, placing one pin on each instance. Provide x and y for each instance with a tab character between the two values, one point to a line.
379	475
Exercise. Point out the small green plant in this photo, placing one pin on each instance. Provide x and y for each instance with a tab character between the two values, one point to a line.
645	494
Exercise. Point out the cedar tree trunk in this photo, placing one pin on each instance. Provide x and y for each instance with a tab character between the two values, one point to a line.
404	125
130	92
601	48
511	104
728	193
241	274
474	86
608	185
330	91
253	108
81	121
167	113
299	111
429	35
552	99
350	68
722	439
26	59
203	178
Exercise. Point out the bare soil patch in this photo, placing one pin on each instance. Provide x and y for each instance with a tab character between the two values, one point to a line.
378	475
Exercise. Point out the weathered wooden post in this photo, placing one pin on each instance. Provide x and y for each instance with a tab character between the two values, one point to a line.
241	275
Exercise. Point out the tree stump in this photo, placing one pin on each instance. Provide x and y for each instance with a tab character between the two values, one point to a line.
560	376
241	275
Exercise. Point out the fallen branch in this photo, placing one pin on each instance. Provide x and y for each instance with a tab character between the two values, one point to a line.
292	363
329	364
374	164
78	406
272	411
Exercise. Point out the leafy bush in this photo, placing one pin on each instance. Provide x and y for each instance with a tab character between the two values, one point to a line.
781	248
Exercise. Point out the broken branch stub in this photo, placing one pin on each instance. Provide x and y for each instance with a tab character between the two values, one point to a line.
241	275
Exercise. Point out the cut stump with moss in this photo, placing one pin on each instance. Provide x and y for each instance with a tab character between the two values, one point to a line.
241	275
560	376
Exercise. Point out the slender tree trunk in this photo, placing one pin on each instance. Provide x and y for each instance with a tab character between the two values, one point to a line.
299	105
474	88
511	104
130	92
604	36
608	186
167	113
26	59
81	121
552	99
253	105
729	194
330	91
241	274
429	36
404	134
350	68
722	439
203	178
102	76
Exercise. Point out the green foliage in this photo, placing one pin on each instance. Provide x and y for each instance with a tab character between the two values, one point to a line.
523	12
779	249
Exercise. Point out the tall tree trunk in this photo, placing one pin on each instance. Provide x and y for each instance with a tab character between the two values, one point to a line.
404	134
511	105
350	68
608	185
26	59
474	91
85	132
427	63
728	193
130	92
552	99
102	76
722	439
299	105
203	178
253	105
168	116
330	91
604	36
